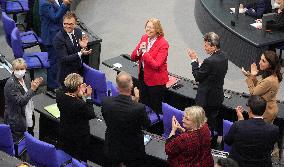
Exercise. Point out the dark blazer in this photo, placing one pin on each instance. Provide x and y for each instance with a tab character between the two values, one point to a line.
277	23
124	119
68	59
259	8
16	100
51	17
210	76
75	114
252	142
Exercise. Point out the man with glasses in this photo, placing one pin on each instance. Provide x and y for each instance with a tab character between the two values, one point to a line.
210	75
252	140
70	44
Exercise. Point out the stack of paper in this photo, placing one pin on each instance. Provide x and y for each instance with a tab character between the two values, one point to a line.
53	110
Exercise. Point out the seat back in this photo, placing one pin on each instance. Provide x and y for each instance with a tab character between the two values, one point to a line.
41	153
97	80
16	43
8	25
226	127
6	140
168	113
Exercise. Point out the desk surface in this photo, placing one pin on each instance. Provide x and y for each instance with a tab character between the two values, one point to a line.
187	90
155	147
8	161
220	10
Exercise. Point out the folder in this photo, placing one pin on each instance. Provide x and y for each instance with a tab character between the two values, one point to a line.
53	110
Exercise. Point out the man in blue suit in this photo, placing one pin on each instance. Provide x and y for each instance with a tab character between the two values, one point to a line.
259	8
51	15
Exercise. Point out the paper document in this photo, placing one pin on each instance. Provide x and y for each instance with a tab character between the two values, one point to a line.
256	25
117	65
53	110
147	138
172	80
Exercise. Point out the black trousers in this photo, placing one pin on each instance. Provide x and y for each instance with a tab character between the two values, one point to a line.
151	96
127	163
215	122
76	146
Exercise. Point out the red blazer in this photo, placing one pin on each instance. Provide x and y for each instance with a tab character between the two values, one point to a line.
190	149
155	61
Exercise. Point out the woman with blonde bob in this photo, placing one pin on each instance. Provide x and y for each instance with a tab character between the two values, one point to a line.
75	113
151	54
18	92
192	146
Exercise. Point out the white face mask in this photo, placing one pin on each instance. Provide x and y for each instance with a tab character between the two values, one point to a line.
19	73
276	5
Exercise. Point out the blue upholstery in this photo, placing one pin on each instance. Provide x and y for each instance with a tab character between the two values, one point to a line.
113	88
14	6
6	141
97	80
33	60
226	127
42	154
153	116
29	38
168	113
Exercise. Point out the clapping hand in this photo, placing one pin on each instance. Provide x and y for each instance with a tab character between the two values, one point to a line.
176	125
246	73
136	96
84	41
192	54
67	2
142	48
253	69
36	83
239	111
85	51
89	91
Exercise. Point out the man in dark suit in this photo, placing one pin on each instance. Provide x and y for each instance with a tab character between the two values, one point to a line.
51	15
124	118
70	44
257	9
210	76
252	140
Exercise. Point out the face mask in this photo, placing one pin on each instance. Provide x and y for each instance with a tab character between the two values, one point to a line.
19	73
276	5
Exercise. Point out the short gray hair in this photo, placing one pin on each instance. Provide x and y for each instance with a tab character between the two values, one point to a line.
197	114
212	38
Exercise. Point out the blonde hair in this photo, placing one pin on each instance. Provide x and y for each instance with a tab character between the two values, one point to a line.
72	81
197	114
18	63
282	5
157	26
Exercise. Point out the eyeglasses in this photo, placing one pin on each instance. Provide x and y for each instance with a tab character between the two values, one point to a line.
68	24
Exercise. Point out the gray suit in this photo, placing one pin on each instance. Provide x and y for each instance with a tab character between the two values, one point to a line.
15	101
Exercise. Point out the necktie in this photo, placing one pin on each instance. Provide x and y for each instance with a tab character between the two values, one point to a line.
75	43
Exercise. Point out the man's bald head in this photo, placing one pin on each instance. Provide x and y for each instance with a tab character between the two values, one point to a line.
124	82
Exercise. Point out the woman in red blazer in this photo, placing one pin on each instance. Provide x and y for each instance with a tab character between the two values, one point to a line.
151	53
192	146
